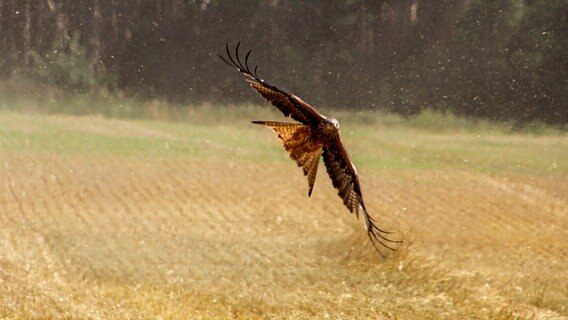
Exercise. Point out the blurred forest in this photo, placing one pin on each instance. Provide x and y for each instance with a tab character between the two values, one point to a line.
496	59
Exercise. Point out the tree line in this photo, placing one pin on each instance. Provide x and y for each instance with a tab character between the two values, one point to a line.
498	59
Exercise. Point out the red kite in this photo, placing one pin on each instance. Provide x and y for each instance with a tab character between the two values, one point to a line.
315	135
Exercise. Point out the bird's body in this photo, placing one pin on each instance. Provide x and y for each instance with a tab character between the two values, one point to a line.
314	137
305	143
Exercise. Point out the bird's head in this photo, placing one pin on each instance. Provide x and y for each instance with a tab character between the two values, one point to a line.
333	122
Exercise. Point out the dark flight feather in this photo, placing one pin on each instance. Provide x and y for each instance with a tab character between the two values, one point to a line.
288	104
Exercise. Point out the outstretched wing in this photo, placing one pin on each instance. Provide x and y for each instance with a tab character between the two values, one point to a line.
287	103
296	139
344	177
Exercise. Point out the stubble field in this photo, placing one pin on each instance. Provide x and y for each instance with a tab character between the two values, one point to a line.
206	219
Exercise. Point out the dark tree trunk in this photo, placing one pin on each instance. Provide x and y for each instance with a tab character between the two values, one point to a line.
61	33
1	16
95	56
27	34
370	13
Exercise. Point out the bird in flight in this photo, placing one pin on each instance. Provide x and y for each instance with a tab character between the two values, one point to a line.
314	136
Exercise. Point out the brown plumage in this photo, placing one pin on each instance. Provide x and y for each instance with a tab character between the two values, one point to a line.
315	135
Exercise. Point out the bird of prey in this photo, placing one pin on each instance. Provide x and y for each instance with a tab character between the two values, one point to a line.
313	136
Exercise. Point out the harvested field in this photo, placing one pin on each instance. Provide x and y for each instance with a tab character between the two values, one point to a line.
122	219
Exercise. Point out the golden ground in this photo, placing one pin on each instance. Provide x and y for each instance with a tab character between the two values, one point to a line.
92	234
